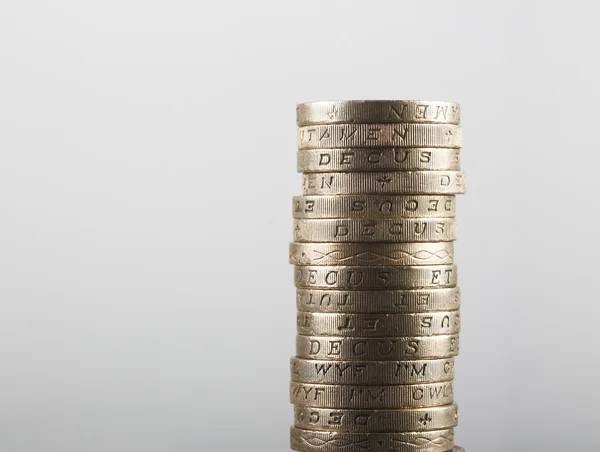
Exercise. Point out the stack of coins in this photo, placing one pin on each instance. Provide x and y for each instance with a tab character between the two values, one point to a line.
378	305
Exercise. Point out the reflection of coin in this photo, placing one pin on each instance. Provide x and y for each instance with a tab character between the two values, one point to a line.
376	349
377	159
377	301
379	135
435	253
426	441
371	396
377	111
395	182
372	372
377	230
375	421
374	206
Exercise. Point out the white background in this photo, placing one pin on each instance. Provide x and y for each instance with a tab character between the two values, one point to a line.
146	175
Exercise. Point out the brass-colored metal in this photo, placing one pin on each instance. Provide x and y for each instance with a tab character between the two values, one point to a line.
376	421
377	301
372	278
378	159
400	230
435	253
378	325
376	349
426	441
374	111
377	296
372	372
373	206
379	135
392	182
372	396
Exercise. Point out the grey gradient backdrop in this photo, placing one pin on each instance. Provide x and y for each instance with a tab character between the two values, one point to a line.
147	165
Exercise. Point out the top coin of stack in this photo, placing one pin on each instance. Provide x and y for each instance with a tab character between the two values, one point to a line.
377	296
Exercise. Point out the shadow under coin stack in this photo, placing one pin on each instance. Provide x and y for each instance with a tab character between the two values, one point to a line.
378	304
